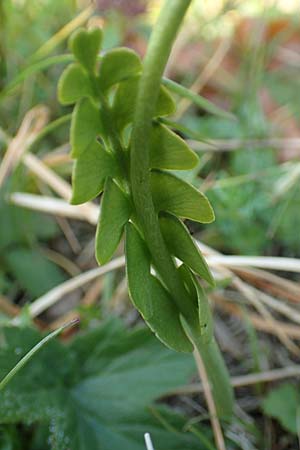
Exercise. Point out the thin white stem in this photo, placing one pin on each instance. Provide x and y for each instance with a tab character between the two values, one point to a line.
148	441
244	380
50	298
56	206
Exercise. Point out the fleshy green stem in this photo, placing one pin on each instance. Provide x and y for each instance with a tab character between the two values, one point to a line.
160	45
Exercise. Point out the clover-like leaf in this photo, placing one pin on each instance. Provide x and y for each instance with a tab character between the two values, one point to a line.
181	244
138	262
74	84
90	172
125	98
165	320
174	195
85	127
169	151
115	213
118	65
85	45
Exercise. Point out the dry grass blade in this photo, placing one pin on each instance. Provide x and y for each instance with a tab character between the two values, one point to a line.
55	206
54	295
223	303
244	380
62	261
32	124
272	283
217	430
254	300
248	291
69	234
264	262
62	34
58	184
48	176
277	305
208	71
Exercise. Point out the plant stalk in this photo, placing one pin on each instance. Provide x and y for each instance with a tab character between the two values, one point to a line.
160	45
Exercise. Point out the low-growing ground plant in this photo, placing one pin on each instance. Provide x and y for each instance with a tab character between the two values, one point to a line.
124	151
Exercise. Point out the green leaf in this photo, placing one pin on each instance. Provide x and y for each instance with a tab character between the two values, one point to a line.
283	404
189	281
150	297
165	321
138	263
20	225
85	127
85	45
118	65
90	172
198	294
169	151
74	84
205	315
115	213
181	244
165	103
125	98
84	398
32	270
180	198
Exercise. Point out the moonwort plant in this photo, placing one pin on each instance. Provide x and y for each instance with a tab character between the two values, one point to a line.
121	148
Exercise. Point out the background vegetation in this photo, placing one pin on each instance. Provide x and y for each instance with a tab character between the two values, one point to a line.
106	382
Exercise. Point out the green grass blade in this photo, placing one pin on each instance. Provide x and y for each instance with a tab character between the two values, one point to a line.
32	352
197	99
33	69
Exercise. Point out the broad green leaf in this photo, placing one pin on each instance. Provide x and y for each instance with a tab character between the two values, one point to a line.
90	172
74	84
124	103
165	321
19	225
85	127
283	404
118	65
83	400
115	213
181	244
139	279
169	151
180	198
85	45
32	270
